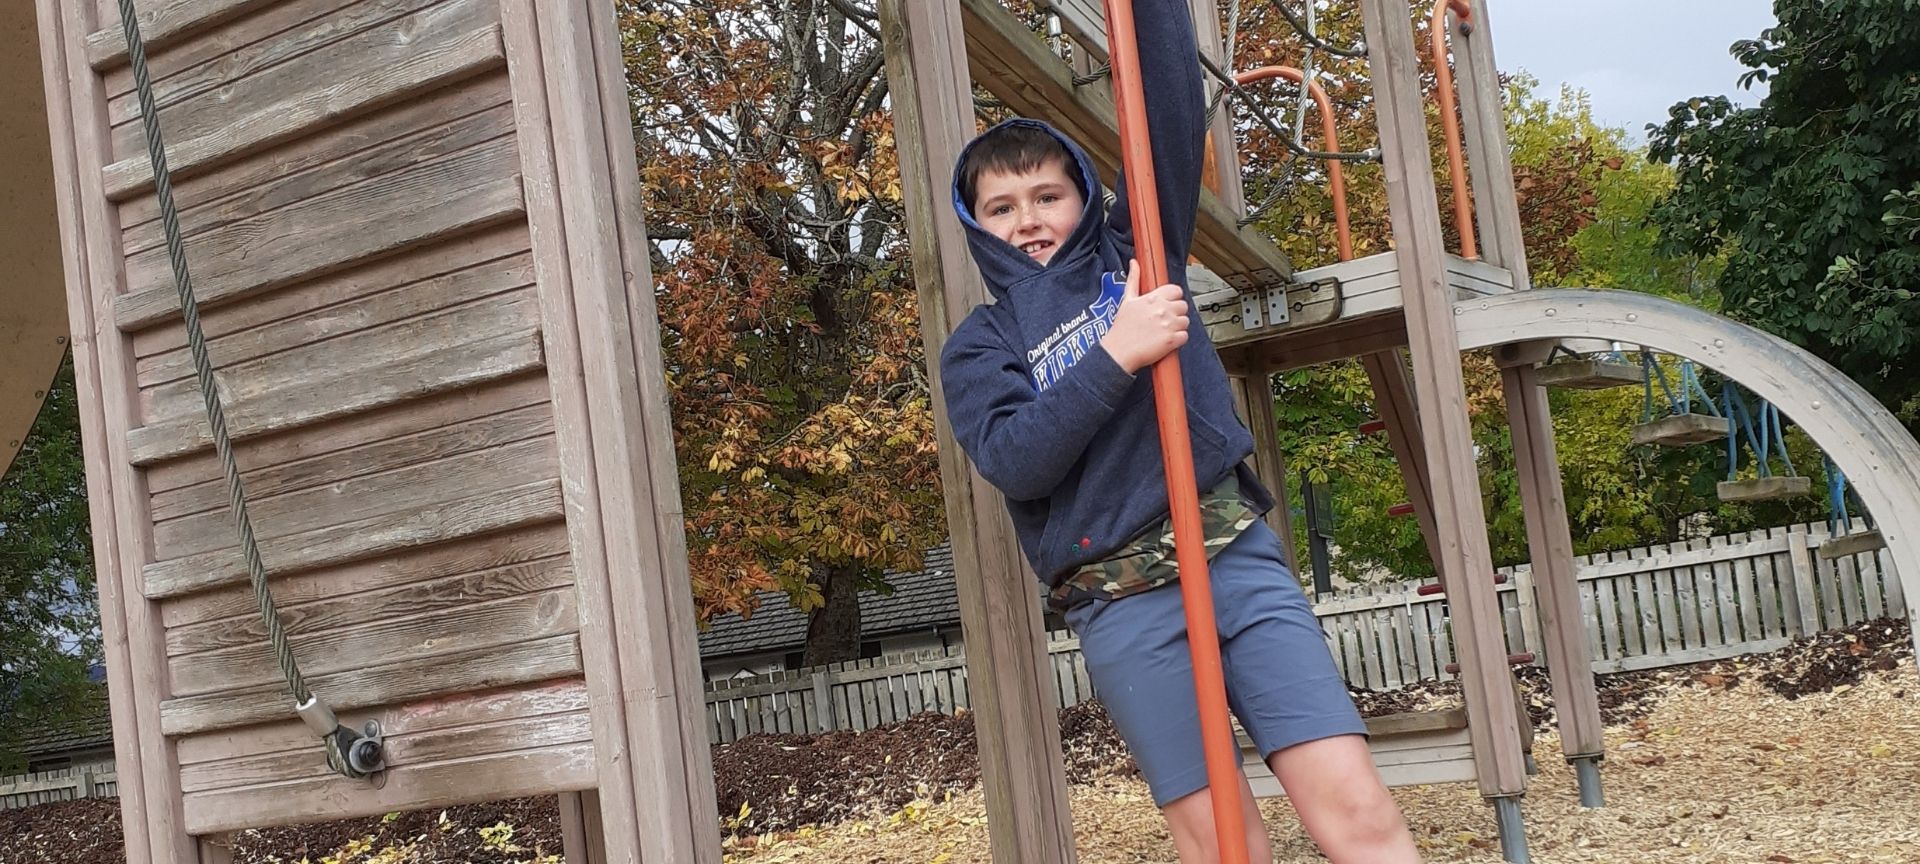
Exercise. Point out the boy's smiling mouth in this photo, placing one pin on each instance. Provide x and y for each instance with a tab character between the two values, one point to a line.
1035	247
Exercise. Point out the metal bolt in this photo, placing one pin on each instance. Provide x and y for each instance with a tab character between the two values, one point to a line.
1633	316
1551	312
1816	404
1719	343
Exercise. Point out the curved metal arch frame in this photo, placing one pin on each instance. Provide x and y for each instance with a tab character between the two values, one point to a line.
1880	458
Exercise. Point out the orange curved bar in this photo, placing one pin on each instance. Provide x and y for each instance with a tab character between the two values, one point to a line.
1443	75
1336	173
1176	447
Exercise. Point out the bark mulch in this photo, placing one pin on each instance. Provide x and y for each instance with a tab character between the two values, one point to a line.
778	783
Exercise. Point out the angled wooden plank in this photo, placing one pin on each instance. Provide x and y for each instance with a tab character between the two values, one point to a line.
439	784
348	541
538	660
278	33
338	229
444	141
462	365
508	427
162	25
423	597
395	639
394	70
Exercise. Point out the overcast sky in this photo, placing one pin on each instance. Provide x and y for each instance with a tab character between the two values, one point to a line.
1635	57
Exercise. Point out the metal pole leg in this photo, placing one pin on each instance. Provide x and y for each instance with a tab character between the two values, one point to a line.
1513	830
1587	769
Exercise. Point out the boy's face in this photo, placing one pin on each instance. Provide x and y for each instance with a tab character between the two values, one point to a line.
1034	211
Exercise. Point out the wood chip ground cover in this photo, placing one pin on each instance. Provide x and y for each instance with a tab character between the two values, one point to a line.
1809	754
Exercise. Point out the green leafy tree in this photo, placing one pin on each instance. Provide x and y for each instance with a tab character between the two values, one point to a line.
1813	195
52	619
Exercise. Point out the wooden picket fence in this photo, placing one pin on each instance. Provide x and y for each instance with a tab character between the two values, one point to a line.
63	784
1644	608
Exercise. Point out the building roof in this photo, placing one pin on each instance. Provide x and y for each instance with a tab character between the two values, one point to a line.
921	600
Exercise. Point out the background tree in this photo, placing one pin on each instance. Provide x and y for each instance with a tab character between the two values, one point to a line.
1812	195
802	415
52	618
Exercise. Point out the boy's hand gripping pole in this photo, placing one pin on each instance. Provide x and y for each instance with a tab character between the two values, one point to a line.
1176	450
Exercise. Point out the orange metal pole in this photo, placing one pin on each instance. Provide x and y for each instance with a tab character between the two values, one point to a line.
1176	449
1443	76
1329	134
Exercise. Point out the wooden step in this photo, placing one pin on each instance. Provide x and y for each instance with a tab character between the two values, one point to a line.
1851	544
1682	430
1591	373
1763	488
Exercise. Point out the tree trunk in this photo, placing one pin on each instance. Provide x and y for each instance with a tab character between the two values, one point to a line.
833	630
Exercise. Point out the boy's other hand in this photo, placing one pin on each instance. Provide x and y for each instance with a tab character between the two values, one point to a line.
1148	326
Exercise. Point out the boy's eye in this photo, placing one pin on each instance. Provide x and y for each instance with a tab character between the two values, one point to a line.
1001	210
1049	198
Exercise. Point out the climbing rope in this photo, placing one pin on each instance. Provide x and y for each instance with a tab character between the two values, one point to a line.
1677	403
350	753
1763	441
1305	29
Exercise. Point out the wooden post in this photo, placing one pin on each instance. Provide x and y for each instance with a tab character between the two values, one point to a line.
1550	543
1220	140
1254	394
1466	559
1008	675
1394	397
581	839
150	798
1806	591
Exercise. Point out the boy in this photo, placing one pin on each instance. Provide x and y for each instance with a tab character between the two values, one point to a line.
1045	393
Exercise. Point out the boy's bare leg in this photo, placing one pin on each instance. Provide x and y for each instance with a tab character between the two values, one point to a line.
1345	807
1190	820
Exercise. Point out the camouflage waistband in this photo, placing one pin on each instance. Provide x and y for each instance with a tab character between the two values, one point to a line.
1149	561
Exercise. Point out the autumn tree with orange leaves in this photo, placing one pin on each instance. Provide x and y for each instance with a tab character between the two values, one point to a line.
801	408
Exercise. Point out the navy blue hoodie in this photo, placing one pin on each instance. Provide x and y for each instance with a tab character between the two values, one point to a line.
1045	414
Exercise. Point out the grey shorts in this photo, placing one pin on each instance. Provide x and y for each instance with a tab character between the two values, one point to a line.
1281	681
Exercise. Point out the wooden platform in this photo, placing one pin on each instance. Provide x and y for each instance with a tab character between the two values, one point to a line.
1339	310
1410	749
1591	373
1763	488
1682	430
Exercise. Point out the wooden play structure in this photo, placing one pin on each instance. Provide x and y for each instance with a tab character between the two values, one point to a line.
418	257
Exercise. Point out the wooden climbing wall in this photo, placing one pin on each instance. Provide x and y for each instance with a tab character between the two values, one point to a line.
418	247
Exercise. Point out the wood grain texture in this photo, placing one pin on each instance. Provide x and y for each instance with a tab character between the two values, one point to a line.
462	365
439	784
393	635
429	597
330	232
343	542
394	64
289	190
480	669
414	118
276	34
162	25
481	433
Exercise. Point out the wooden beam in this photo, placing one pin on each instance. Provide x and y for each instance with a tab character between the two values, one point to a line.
1529	418
1014	702
1440	394
1393	396
1220	138
1014	64
1254	392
